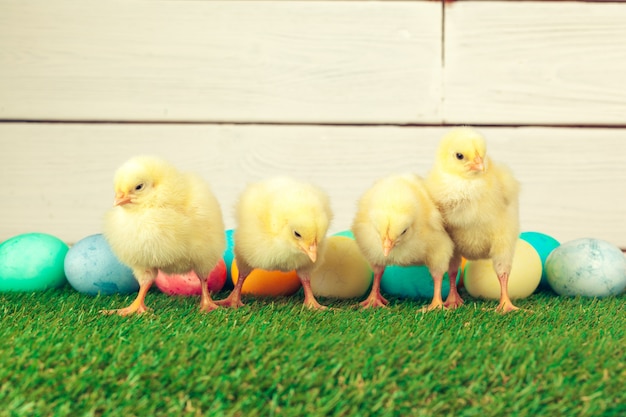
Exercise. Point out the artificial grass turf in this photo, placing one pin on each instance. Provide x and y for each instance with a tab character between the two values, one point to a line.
60	356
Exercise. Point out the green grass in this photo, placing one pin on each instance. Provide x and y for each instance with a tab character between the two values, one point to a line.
272	358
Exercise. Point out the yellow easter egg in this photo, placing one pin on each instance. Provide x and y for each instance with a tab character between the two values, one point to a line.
343	271
481	280
267	283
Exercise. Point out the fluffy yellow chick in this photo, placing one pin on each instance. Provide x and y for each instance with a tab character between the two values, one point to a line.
479	203
281	225
163	219
397	223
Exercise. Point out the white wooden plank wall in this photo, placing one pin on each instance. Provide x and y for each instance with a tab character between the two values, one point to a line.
339	93
535	63
230	61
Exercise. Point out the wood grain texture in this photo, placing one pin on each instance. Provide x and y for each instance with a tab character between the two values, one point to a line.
57	178
535	63
215	61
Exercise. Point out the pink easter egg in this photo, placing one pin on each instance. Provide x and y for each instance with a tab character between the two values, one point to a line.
189	284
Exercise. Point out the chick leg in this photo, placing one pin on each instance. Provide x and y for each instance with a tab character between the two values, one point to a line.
454	299
502	264
309	298
437	301
206	302
506	305
375	299
146	278
234	298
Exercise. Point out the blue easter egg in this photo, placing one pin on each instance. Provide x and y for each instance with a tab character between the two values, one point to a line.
32	262
229	255
544	245
346	233
92	268
412	282
587	267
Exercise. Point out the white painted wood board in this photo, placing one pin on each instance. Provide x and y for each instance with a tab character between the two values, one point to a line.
57	178
217	61
535	63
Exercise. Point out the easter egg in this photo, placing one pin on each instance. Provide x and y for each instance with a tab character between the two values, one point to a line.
346	233
343	271
229	255
462	272
92	268
412	282
32	262
587	267
189	283
544	245
481	280
268	283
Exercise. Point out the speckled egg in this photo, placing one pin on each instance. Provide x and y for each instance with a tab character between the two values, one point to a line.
587	267
32	262
92	268
189	284
343	271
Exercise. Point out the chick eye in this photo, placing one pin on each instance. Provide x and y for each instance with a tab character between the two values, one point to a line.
404	232
296	234
139	187
459	156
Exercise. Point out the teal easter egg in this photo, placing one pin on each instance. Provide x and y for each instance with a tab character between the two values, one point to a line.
32	262
587	267
544	245
412	282
346	233
229	255
92	268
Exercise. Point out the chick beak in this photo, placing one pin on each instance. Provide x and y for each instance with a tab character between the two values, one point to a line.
121	199
478	164
388	244
311	251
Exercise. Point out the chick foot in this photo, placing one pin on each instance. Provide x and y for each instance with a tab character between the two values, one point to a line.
453	301
310	301
437	302
506	306
434	305
137	307
374	300
314	305
234	298
127	311
230	302
206	302
208	306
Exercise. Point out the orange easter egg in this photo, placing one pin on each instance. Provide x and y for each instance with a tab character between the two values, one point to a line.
461	280
267	283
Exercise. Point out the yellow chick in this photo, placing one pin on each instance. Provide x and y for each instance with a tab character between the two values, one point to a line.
479	203
281	225
397	223
163	219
